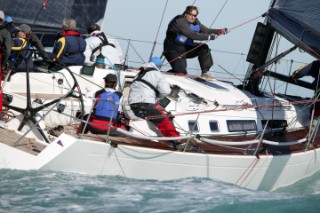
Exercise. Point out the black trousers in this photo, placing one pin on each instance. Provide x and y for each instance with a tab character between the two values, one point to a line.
179	64
143	110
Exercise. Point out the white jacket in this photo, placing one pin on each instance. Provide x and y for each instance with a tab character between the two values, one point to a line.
113	55
142	93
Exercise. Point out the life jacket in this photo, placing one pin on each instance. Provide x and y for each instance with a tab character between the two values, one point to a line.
107	106
20	51
187	41
71	49
179	38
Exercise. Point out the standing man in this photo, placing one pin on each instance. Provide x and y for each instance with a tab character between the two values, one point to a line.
181	33
69	48
147	88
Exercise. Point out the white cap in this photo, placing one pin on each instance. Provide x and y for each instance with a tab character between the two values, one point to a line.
1	14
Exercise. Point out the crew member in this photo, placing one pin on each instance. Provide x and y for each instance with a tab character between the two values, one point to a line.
181	33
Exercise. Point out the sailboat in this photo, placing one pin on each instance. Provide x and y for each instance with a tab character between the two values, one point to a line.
234	133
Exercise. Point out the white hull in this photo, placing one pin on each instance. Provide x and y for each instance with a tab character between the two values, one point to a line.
98	158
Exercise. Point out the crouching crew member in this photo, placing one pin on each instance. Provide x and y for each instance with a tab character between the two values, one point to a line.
148	87
105	116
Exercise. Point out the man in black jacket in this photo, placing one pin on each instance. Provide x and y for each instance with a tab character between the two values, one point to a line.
181	33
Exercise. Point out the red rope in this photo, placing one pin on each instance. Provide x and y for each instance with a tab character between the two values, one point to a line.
244	106
255	161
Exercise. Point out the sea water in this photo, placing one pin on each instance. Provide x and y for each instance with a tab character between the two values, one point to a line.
39	191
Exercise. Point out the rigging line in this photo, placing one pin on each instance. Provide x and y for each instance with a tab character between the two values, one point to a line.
235	77
134	49
155	40
42	7
219	13
287	84
275	81
212	49
245	171
314	107
194	2
256	161
242	107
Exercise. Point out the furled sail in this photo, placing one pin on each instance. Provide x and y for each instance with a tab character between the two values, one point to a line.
299	22
46	14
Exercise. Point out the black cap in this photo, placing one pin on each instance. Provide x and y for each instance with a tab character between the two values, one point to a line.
110	78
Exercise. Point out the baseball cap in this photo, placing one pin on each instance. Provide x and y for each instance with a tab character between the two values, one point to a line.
110	78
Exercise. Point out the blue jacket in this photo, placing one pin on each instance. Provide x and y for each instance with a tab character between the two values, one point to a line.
69	49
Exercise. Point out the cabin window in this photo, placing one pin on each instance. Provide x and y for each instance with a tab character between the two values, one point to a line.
213	126
193	125
274	124
241	125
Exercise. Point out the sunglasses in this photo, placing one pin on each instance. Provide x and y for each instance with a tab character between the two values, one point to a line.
192	15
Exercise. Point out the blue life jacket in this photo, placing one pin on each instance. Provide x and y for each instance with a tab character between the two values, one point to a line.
181	39
107	105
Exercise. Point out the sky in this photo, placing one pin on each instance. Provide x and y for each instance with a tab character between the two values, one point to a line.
140	20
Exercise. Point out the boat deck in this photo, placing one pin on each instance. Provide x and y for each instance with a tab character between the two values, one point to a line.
29	145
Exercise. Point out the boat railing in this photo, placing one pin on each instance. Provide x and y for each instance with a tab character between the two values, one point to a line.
268	142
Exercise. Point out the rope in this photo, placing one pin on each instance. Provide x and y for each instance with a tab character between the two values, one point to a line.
243	107
255	162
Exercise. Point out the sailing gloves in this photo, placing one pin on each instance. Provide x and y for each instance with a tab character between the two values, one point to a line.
212	37
222	31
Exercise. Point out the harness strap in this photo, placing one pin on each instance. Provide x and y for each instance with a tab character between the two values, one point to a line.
140	76
104	42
